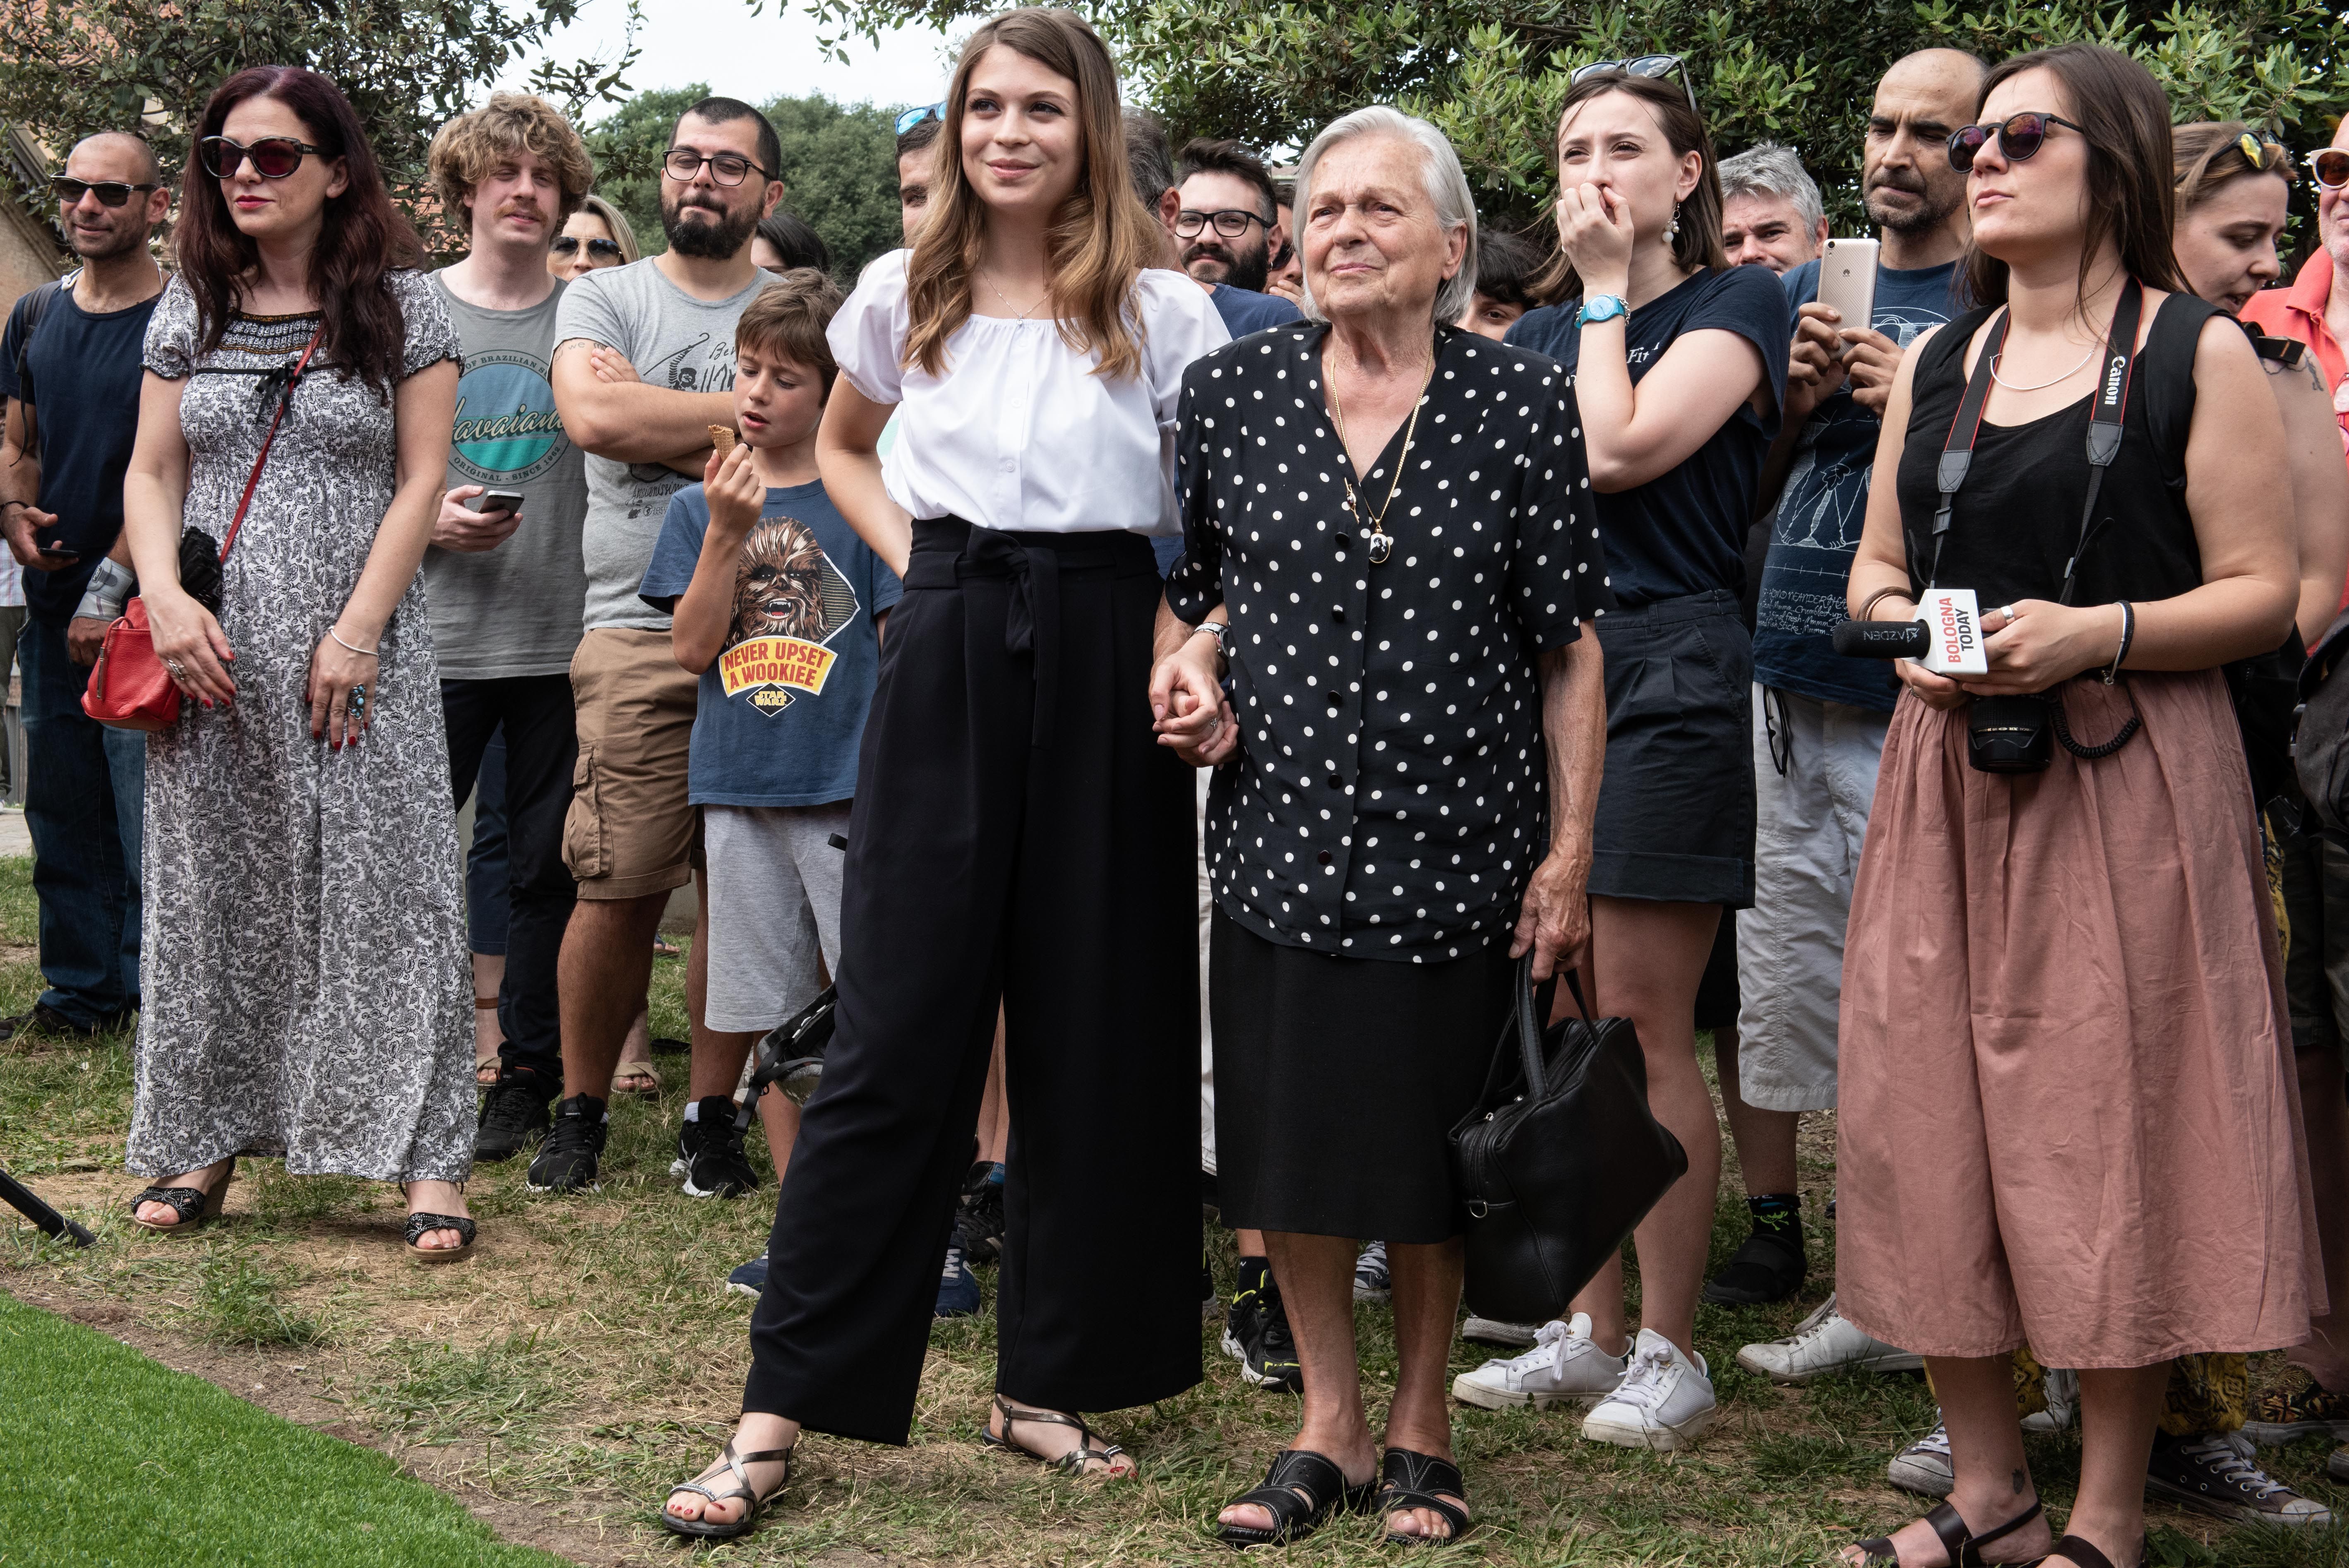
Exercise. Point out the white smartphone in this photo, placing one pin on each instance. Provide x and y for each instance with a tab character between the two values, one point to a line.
1847	282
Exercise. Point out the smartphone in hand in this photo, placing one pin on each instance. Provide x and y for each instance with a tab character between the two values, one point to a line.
492	500
1847	282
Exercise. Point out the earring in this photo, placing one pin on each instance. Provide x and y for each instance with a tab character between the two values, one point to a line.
1673	228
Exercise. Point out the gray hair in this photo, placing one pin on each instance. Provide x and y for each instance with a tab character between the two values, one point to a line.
1772	168
1447	188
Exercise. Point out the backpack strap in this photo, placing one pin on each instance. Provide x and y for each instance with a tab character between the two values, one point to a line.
29	312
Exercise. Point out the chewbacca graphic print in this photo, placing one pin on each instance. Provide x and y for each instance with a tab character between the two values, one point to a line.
782	711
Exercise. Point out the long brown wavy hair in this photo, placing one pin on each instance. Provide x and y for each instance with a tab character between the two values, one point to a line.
2130	199
362	235
1101	238
1698	243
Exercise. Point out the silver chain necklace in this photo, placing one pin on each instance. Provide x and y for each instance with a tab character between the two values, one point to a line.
2038	387
1019	315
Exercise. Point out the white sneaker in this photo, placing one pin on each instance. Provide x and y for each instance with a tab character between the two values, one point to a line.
1822	1343
1924	1466
2063	1399
1564	1366
1491	1331
1665	1401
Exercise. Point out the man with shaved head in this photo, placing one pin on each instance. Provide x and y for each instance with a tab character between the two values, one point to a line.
1820	719
69	373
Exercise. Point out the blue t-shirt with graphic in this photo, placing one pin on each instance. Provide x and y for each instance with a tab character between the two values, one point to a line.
782	709
1816	535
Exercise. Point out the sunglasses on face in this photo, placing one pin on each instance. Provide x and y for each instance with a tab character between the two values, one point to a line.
2330	167
272	157
2020	138
913	117
111	192
1231	223
1639	65
567	245
726	168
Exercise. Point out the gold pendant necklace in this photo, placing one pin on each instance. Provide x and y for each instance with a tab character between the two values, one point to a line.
1381	544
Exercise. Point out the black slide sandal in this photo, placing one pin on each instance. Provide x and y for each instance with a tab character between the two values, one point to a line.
754	1501
1301	1491
2082	1553
1963	1546
1414	1481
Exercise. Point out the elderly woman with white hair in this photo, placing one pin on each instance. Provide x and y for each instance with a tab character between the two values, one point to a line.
1390	548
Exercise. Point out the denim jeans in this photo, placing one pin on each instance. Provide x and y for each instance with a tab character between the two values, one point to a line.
86	805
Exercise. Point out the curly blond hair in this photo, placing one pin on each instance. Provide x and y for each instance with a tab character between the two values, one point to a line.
467	150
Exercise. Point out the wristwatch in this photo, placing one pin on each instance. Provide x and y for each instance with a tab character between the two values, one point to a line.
1217	630
1600	308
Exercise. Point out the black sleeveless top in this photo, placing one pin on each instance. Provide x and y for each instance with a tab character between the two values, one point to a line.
2017	517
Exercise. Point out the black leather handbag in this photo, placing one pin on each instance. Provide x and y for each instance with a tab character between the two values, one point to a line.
1560	1159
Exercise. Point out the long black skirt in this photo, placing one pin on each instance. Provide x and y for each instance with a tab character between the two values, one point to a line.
1339	1081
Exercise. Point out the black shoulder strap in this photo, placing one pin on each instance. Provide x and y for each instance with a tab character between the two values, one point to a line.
33	306
1958	450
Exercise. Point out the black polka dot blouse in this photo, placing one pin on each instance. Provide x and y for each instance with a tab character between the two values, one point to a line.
1387	799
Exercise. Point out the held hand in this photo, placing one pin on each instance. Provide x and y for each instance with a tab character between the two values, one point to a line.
191	645
1871	360
1187	707
2045	643
1594	230
1554	922
736	493
85	636
461	528
23	523
336	671
610	364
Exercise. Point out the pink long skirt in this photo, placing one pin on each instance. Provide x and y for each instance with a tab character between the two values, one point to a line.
2068	1111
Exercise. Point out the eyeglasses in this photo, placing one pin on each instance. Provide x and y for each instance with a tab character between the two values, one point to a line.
2020	138
598	249
1231	223
272	157
1639	65
913	117
2330	165
111	192
726	168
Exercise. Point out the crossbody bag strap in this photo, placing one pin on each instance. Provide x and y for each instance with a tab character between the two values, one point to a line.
285	399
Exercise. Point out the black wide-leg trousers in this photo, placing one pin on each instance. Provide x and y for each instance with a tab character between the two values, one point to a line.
1017	835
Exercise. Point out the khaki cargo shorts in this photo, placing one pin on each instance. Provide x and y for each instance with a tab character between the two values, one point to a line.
631	832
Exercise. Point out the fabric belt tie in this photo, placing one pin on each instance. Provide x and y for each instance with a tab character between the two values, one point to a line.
1032	621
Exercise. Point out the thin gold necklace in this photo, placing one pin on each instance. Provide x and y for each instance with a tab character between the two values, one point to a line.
1380	546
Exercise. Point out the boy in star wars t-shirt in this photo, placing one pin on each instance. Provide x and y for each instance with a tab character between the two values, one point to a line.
778	606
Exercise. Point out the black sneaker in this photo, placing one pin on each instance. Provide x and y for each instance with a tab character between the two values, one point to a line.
514	1117
46	1022
1256	1335
979	1222
1768	1267
2214	1474
567	1161
709	1152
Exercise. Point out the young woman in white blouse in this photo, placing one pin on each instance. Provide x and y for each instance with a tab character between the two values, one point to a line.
1017	833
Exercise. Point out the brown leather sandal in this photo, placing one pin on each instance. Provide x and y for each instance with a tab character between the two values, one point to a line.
1962	1545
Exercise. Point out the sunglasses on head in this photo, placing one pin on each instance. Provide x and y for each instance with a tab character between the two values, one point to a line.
2330	165
2263	152
1639	65
272	157
598	249
111	192
913	117
2020	138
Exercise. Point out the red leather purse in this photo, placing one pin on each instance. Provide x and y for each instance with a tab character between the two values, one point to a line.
129	688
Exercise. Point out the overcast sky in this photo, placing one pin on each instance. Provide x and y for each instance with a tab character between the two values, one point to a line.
750	57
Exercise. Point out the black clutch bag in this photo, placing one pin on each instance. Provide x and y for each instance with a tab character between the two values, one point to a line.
200	568
1560	1159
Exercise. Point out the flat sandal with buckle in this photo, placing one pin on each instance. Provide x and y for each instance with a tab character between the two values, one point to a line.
1963	1546
753	1500
1073	1462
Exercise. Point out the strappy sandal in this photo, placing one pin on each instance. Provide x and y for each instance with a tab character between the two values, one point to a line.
1301	1491
1962	1545
1073	1462
648	1079
1409	1481
193	1205
754	1501
2082	1554
418	1224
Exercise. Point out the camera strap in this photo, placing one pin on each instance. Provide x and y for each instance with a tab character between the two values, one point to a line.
2104	427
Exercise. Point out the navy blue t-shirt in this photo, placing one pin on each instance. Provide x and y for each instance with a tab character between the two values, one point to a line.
1684	531
85	371
1816	535
1245	310
782	711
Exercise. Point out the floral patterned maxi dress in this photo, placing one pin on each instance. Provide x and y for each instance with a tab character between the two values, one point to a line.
303	955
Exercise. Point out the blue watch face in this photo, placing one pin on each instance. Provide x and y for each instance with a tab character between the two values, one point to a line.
1606	307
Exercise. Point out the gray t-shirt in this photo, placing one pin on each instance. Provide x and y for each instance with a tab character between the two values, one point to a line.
511	611
674	340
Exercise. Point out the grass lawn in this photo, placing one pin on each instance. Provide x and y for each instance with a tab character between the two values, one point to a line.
587	1358
112	1460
